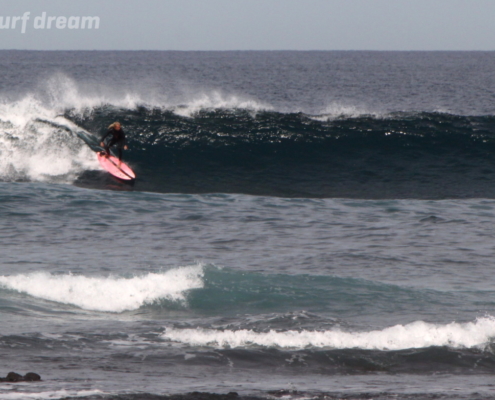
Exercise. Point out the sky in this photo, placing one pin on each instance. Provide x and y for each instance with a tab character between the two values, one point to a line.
248	24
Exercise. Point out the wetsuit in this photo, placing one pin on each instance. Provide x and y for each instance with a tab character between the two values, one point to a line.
118	137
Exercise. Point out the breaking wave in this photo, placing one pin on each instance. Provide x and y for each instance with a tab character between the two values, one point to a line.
414	335
108	294
217	142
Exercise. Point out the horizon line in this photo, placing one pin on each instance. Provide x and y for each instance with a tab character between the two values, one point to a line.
255	50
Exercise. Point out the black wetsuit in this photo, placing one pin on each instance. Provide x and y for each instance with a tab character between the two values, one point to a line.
118	137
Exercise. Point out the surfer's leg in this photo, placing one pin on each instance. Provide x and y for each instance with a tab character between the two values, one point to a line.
120	146
108	145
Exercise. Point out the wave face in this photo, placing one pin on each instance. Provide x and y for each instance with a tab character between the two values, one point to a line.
401	155
423	155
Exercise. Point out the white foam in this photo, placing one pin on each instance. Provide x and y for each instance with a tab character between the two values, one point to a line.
52	394
217	100
30	150
336	110
415	335
110	294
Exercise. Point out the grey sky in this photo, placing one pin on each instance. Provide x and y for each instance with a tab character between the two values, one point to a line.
255	25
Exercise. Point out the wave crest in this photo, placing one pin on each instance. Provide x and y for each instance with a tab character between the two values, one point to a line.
418	334
110	294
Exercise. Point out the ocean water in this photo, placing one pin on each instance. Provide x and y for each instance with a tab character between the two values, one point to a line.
304	225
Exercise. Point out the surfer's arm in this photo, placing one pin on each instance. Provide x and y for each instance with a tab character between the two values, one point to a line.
109	132
102	141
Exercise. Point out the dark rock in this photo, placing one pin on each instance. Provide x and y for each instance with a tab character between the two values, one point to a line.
32	377
15	377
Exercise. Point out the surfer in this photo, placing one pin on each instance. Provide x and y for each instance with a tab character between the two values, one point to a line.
118	138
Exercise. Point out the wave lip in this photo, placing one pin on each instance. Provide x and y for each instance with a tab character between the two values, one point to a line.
418	334
108	294
218	101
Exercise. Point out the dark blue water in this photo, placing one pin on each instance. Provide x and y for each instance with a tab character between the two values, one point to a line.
302	225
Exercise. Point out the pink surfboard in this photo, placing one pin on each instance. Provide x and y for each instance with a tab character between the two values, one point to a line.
115	167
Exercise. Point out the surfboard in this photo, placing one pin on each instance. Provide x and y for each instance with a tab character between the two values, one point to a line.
118	169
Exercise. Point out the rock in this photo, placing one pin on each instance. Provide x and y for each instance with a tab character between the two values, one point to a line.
15	377
32	377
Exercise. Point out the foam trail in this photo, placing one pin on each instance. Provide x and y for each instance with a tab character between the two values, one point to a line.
110	294
415	335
